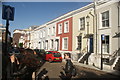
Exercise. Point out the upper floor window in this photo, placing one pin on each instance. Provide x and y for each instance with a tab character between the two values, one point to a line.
66	26
43	33
48	31
40	34
82	23
105	19
53	30
59	28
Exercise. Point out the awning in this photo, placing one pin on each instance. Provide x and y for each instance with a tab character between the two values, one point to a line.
117	35
88	35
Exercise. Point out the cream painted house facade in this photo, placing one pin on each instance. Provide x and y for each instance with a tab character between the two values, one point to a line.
82	30
51	42
38	37
107	27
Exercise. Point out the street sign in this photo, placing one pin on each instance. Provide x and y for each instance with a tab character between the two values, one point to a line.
8	12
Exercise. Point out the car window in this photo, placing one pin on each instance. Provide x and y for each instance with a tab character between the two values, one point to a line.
48	52
57	54
16	51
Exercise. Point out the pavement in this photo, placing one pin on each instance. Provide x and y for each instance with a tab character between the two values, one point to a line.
111	72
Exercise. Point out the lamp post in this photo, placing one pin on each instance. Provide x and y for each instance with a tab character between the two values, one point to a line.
87	20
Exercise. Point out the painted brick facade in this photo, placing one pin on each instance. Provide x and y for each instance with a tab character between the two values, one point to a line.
68	35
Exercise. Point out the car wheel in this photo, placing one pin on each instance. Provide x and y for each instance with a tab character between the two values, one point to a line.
50	60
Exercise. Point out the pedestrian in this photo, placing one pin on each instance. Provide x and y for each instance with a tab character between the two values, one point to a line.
69	67
28	64
13	66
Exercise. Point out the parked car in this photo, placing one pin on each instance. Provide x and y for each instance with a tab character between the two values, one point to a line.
14	51
40	53
52	56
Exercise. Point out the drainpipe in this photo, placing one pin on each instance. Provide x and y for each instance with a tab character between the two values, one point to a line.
95	25
118	25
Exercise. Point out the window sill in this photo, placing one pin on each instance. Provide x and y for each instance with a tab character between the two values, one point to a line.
66	32
82	28
59	33
104	28
64	49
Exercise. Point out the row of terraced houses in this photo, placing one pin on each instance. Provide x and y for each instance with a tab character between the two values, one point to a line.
85	33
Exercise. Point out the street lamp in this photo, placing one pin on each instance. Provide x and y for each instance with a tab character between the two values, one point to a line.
87	20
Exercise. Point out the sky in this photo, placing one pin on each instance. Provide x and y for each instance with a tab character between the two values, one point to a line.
37	13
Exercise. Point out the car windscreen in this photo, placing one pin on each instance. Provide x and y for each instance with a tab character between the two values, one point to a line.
16	51
57	54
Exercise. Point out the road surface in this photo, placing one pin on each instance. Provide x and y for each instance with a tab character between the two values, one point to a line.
52	71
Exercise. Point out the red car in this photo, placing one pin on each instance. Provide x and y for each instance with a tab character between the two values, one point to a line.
53	56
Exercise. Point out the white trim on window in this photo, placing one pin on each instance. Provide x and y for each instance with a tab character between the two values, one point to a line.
60	28
100	19
53	30
63	43
48	31
83	23
66	26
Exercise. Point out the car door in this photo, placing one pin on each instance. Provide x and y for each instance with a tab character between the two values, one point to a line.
47	55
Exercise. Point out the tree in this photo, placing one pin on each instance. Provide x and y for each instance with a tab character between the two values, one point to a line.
20	45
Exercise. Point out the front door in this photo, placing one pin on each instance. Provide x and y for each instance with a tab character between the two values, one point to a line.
91	44
57	45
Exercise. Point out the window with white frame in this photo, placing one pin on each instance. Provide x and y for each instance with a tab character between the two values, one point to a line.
48	31
105	19
59	28
44	33
82	23
66	26
105	44
65	43
79	42
53	30
52	44
40	34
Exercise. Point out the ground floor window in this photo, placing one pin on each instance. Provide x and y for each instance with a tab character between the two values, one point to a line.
79	42
105	44
65	43
52	44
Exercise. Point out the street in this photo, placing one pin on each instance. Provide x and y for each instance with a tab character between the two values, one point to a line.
52	71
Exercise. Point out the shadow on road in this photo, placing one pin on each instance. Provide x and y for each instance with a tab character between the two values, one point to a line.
62	76
42	74
91	73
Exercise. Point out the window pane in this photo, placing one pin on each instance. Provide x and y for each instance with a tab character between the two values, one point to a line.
82	23
105	45
103	23
105	19
79	42
107	22
65	43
